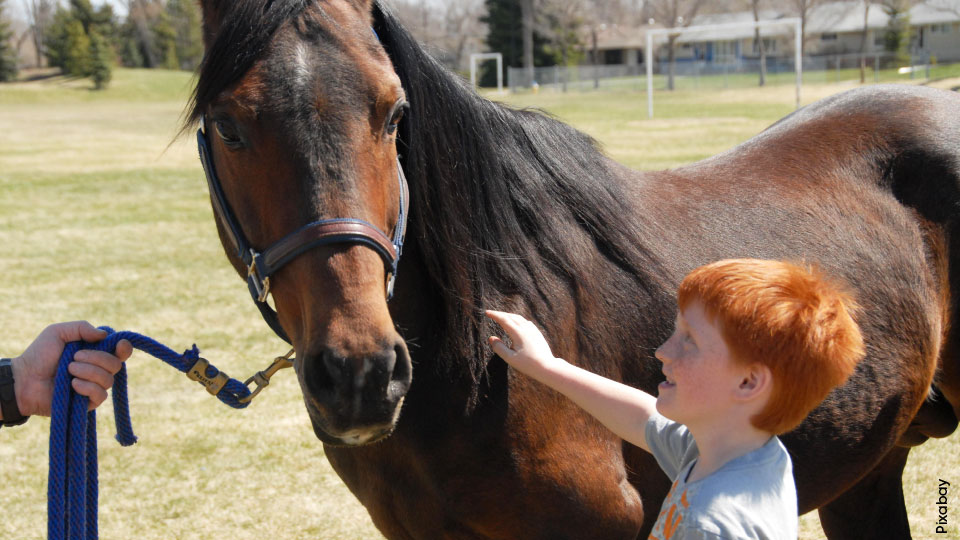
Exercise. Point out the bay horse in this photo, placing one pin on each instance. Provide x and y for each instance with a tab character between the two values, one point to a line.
304	110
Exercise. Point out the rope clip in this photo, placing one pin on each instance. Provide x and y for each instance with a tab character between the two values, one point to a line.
210	377
262	378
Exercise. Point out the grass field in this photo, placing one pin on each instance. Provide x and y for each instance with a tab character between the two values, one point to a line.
102	218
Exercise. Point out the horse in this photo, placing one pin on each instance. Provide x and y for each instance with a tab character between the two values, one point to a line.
334	144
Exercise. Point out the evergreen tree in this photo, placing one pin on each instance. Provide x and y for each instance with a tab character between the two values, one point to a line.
78	41
165	41
57	37
8	54
82	10
505	36
131	54
101	56
76	55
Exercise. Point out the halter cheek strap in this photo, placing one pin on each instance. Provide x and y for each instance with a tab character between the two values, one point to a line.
262	265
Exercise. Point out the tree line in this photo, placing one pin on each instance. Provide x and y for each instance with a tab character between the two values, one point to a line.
84	41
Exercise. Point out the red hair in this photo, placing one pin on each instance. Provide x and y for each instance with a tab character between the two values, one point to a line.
792	319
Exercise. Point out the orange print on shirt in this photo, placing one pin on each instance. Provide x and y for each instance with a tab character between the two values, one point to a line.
670	525
671	517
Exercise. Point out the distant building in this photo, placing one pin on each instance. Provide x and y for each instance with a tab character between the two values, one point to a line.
833	28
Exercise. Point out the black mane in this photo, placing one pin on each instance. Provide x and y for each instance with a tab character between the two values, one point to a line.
509	209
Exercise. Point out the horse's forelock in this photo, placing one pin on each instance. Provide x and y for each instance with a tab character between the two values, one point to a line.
243	33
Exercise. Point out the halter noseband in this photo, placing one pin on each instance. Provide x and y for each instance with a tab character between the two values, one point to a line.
262	265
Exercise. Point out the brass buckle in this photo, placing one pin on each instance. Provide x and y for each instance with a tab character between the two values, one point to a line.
262	378
262	287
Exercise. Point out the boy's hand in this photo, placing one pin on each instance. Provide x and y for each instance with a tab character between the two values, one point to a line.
93	371
530	352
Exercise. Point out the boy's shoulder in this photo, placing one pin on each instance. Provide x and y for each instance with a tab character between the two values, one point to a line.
671	444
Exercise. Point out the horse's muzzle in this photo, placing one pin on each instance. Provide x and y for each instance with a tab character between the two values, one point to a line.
355	400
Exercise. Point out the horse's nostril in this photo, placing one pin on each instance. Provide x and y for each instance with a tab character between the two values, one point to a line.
401	368
335	367
401	376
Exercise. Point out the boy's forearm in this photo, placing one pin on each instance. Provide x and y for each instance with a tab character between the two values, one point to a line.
623	409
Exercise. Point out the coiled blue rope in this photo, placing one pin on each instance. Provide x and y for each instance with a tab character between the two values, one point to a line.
72	488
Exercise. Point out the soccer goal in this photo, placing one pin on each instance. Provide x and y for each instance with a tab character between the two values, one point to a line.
486	56
661	33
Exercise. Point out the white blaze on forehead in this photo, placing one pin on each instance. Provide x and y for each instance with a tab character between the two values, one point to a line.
300	64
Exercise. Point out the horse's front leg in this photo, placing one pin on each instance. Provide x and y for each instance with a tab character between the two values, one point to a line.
874	506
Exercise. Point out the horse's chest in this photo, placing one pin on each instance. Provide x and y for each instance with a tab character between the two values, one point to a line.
565	481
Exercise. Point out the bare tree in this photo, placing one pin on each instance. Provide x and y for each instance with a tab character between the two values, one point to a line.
863	41
464	31
452	29
526	20
598	16
758	39
140	13
40	15
673	14
802	9
560	21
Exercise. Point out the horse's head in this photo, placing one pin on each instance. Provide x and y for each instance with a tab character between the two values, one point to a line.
300	106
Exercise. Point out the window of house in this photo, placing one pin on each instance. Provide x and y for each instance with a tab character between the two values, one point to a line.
769	46
940	28
831	36
724	52
613	57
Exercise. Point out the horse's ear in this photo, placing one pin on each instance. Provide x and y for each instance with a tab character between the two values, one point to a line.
213	11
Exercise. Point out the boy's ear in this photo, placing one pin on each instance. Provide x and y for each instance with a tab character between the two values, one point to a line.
757	378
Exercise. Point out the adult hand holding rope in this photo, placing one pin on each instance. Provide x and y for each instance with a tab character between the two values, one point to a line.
27	382
65	374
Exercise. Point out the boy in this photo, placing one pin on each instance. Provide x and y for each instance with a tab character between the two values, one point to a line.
757	345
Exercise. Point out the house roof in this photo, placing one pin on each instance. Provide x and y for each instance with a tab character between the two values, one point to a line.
728	33
935	12
841	17
619	36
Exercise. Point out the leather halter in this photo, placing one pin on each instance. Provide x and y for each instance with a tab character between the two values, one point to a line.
261	265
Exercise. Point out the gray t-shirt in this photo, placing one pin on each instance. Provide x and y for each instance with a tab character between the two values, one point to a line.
752	496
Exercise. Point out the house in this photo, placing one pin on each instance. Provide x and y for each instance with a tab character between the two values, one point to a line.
935	29
833	28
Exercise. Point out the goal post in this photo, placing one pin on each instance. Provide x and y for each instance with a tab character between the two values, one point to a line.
486	56
662	32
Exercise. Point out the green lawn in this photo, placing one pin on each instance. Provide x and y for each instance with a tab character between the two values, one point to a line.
102	218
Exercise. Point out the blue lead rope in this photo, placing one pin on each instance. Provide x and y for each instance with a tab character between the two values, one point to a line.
72	483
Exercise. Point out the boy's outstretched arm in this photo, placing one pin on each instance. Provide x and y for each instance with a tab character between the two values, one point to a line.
623	409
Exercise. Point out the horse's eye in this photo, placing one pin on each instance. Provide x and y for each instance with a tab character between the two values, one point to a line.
396	116
228	132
